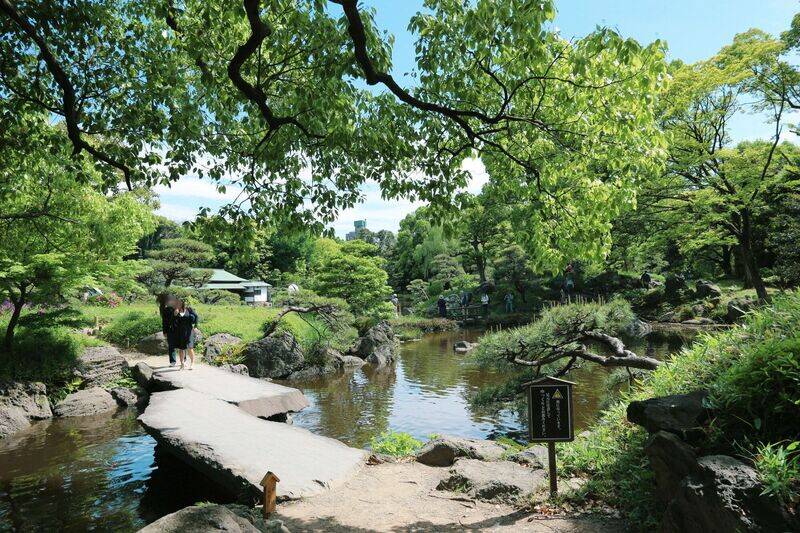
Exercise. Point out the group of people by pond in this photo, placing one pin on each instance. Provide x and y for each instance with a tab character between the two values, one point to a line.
466	301
179	325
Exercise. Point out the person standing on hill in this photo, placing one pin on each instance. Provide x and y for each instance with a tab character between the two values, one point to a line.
396	303
569	280
166	308
509	299
185	328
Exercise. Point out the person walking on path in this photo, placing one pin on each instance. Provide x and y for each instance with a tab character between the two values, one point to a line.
166	308
485	303
569	282
441	303
509	299
185	327
396	303
466	297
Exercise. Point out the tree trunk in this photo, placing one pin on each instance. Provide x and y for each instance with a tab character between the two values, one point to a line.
521	291
727	267
8	343
751	271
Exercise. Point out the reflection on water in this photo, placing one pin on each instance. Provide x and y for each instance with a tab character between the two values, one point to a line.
104	473
428	391
91	474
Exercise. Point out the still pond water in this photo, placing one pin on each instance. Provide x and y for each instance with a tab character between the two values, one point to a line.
103	473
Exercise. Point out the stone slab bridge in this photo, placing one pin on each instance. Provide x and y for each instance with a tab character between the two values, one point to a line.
215	421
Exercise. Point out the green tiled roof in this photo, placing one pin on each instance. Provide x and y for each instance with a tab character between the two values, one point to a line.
223	276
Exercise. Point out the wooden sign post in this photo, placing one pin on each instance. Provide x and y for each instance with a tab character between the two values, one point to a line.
550	418
269	482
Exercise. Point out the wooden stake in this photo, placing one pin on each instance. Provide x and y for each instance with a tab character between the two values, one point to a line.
269	482
551	459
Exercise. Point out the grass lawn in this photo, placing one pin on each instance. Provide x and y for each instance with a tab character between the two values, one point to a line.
243	321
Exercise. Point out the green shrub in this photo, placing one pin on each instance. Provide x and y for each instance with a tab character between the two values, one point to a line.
611	317
728	363
231	355
779	469
218	297
684	312
395	443
127	329
125	380
49	355
408	333
426	325
759	395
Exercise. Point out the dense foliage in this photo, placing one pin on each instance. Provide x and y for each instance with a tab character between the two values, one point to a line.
741	368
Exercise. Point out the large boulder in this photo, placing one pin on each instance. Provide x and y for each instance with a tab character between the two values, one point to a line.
155	344
724	495
737	308
311	373
681	414
99	365
674	287
236	369
706	289
378	345
136	397
498	481
638	328
86	402
20	403
275	356
533	457
347	361
671	460
215	517
463	346
143	374
444	450
217	344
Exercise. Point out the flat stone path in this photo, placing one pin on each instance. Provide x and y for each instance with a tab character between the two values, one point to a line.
255	396
236	449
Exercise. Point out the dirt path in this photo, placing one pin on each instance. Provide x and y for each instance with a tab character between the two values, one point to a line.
403	497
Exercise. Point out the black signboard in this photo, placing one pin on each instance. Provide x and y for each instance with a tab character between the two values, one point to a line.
550	410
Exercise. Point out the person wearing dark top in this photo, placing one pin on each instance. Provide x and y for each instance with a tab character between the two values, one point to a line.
166	307
185	329
441	303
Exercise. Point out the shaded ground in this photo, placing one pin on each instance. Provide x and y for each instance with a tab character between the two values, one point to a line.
403	497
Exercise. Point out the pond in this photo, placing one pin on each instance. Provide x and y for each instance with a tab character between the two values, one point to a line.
104	473
428	391
95	473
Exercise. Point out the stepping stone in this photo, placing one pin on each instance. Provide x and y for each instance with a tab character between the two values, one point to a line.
255	396
236	449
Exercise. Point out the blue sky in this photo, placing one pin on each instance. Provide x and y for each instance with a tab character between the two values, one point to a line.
693	30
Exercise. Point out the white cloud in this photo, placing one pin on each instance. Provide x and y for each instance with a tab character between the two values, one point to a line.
386	214
177	212
477	170
183	199
191	187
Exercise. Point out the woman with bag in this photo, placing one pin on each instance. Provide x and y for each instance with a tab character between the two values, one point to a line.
185	329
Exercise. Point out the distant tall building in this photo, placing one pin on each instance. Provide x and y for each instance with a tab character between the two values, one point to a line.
358	224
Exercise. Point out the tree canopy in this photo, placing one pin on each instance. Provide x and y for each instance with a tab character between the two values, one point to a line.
270	97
